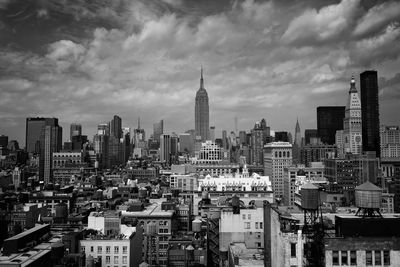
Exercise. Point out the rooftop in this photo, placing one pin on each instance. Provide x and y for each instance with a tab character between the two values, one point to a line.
247	257
152	210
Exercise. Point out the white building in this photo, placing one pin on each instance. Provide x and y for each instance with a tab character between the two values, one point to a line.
352	122
246	227
277	157
209	153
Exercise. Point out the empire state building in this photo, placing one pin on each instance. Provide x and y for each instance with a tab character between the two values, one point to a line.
201	111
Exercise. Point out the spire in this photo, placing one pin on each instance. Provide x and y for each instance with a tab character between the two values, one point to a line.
138	123
201	78
352	85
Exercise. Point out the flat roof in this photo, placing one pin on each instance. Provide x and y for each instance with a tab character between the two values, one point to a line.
152	210
248	256
29	231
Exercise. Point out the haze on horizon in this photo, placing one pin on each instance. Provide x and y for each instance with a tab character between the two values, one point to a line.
85	61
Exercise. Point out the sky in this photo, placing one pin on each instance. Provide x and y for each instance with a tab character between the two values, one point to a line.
84	61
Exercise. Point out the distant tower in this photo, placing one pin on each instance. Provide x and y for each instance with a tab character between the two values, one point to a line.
297	134
352	122
202	111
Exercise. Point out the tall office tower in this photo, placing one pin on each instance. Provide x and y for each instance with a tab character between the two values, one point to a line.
257	144
266	131
390	141
309	134
201	111
329	120
3	141
101	146
165	148
212	133
139	135
51	141
224	139
277	157
158	130
242	138
297	134
281	137
126	144
370	111
186	144
103	129
352	122
34	129
116	127
75	130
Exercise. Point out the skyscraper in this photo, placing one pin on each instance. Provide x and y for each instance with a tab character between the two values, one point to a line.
51	142
201	111
297	134
329	120
370	111
165	148
352	122
158	130
116	127
34	129
308	134
75	130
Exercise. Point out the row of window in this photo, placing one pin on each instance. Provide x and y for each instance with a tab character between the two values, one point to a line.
371	256
257	225
108	249
116	260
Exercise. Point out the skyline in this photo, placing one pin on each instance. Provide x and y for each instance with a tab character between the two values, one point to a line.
83	63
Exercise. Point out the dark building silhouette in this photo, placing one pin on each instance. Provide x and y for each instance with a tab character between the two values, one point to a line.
3	141
329	120
75	130
308	134
281	136
34	128
370	111
201	112
158	130
50	142
116	127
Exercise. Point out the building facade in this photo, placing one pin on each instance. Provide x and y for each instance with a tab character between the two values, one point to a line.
277	157
329	120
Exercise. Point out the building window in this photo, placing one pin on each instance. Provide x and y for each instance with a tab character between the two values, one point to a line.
108	259
99	249
335	257
386	257
116	249
124	259
115	259
108	249
368	257
124	249
248	217
91	248
344	257
293	250
83	249
246	225
353	257
244	216
261	225
378	257
256	225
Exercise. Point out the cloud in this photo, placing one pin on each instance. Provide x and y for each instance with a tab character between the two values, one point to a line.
322	25
145	61
379	48
378	17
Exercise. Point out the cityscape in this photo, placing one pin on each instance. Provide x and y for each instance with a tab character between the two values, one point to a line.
199	133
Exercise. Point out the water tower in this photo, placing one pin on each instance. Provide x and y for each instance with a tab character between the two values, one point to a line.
368	200
313	225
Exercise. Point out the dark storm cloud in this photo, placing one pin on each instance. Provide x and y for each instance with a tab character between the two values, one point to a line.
87	60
